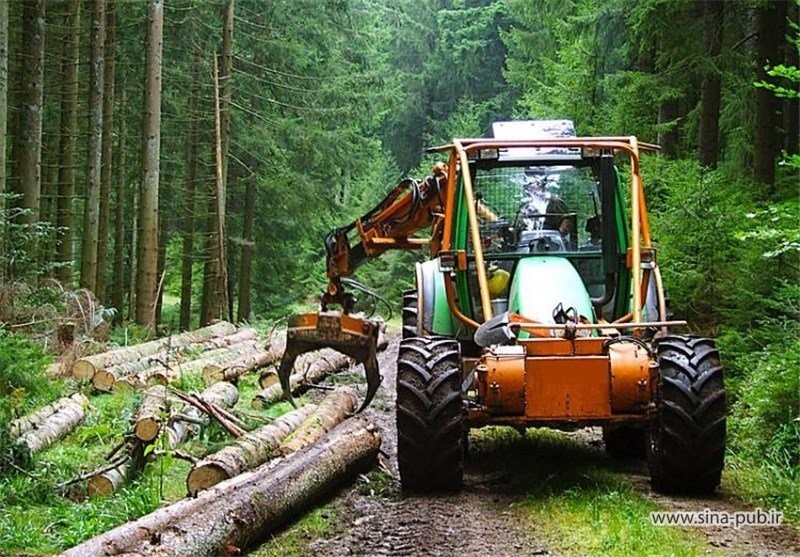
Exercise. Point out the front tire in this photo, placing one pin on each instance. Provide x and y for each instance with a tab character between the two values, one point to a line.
410	311
430	420
686	448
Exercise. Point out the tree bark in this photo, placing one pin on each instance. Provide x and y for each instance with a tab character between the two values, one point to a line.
232	371
191	179
147	279
246	453
3	122
173	357
164	375
711	89
771	27
118	295
28	147
106	150
308	370
337	406
85	368
248	246
35	419
67	414
91	212
68	132
245	509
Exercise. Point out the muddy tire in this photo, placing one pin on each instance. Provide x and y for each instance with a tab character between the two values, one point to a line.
686	445
409	314
625	442
430	421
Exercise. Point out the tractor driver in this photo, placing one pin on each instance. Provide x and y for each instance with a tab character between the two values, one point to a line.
542	209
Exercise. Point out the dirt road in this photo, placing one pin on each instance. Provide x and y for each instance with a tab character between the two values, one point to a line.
488	517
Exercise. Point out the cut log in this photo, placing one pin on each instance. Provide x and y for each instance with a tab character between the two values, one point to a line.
152	412
35	419
337	406
65	416
310	371
233	370
171	357
178	430
85	368
107	380
109	481
246	453
241	511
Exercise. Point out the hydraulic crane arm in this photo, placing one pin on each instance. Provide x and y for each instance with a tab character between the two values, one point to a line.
410	207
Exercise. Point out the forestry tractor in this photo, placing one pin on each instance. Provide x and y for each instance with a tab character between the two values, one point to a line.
541	305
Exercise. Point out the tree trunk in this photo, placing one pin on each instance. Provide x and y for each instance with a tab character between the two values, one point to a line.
154	407
35	419
232	371
246	453
172	357
711	89
106	483
106	150
771	27
248	246
245	509
118	295
164	375
163	233
68	132
791	106
3	122
91	211
28	147
337	406
191	179
67	414
147	279
668	127
178	431
85	368
308	370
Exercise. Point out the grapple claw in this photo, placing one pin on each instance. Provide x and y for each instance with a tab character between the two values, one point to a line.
353	336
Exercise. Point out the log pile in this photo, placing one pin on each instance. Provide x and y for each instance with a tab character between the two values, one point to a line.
40	429
309	369
85	368
239	512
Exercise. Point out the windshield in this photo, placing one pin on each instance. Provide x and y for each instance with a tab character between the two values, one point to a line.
536	209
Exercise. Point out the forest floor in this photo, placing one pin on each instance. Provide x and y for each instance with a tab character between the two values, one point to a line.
542	493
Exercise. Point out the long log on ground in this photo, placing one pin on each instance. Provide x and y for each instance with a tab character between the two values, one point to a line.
85	368
312	370
168	357
246	453
241	511
337	406
109	481
165	374
35	419
231	371
67	413
152	412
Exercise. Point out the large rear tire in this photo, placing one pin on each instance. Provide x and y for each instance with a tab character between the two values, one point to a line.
686	446
430	419
410	311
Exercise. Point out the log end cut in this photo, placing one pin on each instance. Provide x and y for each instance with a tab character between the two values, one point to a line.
100	486
83	370
146	429
204	476
104	381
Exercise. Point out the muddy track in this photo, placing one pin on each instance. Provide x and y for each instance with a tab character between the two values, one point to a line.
483	518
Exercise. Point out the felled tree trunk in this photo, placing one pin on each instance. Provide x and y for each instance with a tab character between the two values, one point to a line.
85	368
151	413
174	354
241	511
231	371
35	419
246	453
106	483
312	370
337	406
46	426
163	375
178	431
